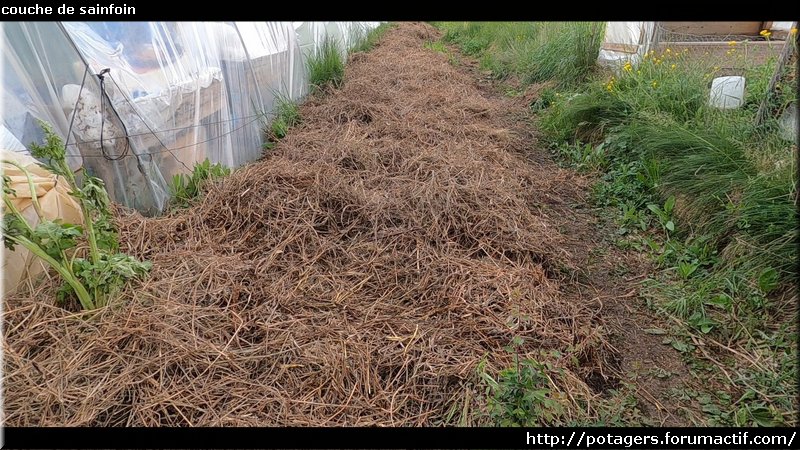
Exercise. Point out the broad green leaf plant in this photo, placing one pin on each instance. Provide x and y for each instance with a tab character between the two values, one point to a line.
92	278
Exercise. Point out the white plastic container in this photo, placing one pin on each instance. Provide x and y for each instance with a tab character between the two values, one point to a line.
727	92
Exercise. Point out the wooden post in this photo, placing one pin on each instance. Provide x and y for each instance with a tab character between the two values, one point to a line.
764	107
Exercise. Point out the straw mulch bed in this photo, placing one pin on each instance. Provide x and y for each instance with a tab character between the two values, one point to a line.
357	275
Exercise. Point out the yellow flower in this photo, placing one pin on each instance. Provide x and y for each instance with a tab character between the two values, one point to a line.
732	43
793	31
655	83
669	51
672	67
686	50
627	67
765	33
610	84
638	72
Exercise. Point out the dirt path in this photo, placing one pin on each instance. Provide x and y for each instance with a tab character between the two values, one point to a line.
360	274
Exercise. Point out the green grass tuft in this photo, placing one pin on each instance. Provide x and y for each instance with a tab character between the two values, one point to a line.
325	67
287	115
364	40
186	188
585	117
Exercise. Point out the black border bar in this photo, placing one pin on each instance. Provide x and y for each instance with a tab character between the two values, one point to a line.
353	438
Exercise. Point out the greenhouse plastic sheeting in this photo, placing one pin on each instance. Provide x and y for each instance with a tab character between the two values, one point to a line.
55	202
275	59
176	93
37	57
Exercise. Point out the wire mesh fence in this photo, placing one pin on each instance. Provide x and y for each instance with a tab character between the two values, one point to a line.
730	52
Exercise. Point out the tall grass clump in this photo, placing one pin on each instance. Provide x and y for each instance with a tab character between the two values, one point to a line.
723	195
585	117
325	66
766	219
700	166
564	52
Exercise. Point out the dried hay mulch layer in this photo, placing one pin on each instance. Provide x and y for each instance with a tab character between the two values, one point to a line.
357	275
